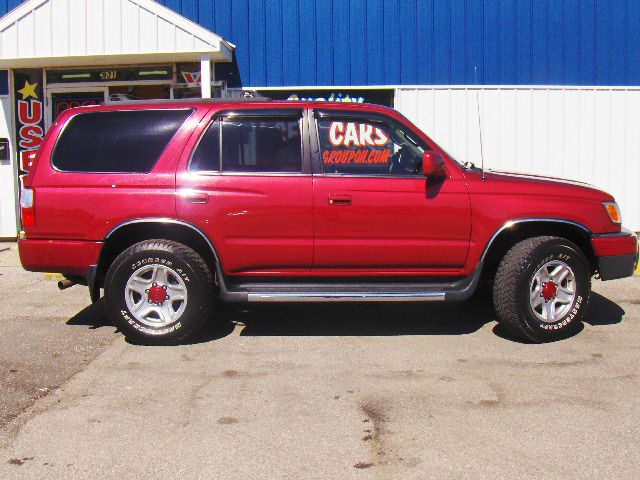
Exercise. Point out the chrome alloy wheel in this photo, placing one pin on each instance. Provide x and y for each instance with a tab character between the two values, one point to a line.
552	291
156	295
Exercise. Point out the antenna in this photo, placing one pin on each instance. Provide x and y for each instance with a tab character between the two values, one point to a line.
475	69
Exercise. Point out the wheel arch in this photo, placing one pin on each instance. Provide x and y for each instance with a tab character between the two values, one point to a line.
133	231
516	230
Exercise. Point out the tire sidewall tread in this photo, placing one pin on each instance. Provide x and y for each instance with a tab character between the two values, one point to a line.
512	283
182	259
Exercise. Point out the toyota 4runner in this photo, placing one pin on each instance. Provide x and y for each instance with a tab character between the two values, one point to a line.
169	206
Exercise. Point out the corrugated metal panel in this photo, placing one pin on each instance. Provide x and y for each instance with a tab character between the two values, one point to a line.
584	134
418	42
432	42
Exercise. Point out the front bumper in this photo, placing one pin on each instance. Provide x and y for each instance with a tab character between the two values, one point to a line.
617	266
617	254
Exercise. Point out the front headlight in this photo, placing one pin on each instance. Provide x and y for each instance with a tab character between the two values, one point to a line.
613	210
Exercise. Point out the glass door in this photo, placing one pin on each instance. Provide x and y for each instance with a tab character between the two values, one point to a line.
65	98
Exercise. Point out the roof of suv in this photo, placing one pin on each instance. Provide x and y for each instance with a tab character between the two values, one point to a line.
253	102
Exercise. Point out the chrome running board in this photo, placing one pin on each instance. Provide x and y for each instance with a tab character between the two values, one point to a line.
346	297
345	290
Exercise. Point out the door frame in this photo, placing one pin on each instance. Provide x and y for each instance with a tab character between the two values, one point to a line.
382	183
74	89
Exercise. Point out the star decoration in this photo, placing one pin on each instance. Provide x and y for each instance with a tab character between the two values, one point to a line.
29	90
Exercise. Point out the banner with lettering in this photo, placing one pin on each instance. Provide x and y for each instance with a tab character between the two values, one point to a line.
29	110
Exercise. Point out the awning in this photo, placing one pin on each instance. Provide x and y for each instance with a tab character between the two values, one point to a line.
65	33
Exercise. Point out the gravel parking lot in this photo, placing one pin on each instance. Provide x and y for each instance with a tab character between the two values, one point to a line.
329	391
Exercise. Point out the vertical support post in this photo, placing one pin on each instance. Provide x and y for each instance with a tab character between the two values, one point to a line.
205	75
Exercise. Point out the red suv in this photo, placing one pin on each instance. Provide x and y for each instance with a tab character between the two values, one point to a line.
169	206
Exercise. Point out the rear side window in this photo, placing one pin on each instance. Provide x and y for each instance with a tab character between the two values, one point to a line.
116	142
251	145
261	146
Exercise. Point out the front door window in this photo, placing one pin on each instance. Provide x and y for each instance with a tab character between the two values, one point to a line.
368	147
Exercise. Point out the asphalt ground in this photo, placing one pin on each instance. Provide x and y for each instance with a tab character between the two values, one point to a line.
45	338
322	391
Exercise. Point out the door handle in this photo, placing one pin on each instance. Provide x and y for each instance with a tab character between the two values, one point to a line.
340	200
195	197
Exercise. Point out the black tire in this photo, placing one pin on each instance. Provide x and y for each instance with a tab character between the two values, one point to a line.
178	260
514	285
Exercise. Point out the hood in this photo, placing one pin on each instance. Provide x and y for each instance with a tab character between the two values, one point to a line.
564	181
513	182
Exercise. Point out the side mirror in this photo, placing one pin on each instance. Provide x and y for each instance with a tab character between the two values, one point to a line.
433	164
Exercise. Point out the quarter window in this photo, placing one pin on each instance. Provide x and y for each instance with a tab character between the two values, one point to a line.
206	157
116	141
369	147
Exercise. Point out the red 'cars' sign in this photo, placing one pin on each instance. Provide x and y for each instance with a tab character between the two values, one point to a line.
355	143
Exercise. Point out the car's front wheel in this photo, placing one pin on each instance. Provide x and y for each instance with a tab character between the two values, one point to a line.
541	288
159	291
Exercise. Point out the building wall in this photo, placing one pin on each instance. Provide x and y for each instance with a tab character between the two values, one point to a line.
8	217
429	42
588	134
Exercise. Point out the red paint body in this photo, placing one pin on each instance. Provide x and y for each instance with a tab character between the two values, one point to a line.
303	224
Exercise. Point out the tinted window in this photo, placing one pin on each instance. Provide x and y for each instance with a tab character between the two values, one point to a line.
119	141
206	157
369	148
261	145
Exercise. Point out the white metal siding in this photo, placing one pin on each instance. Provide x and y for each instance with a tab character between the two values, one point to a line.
588	134
8	220
71	28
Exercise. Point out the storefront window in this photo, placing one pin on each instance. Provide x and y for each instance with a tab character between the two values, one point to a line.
181	92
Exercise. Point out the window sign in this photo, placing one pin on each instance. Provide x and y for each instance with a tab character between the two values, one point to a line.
377	96
64	101
332	97
350	147
189	74
368	148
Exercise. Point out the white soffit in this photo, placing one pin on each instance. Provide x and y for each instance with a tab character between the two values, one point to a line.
48	33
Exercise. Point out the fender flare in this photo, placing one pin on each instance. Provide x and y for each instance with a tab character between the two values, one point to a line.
518	221
165	221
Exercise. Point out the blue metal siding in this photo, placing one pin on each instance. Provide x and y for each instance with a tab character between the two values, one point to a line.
432	42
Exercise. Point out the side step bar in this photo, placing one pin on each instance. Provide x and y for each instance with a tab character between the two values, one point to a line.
346	297
456	290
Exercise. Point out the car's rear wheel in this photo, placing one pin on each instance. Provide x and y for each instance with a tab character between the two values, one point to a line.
541	289
159	291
